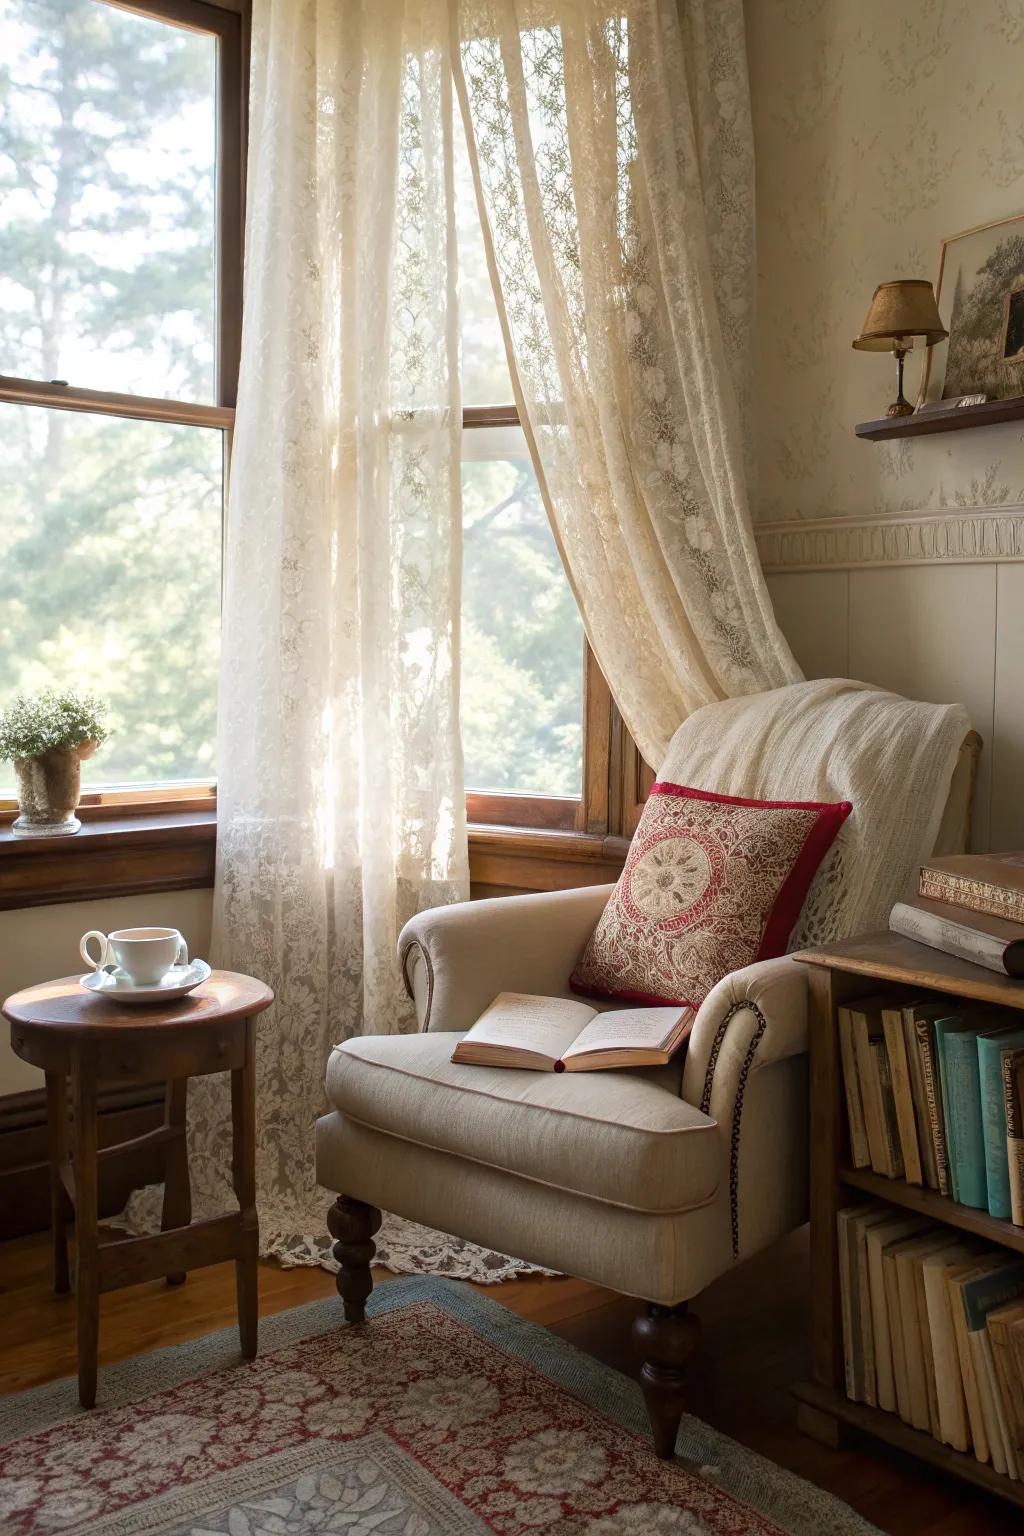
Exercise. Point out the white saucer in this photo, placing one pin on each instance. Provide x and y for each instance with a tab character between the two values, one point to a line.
120	988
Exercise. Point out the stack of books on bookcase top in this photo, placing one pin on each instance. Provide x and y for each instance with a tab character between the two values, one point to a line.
972	906
933	1330
935	1095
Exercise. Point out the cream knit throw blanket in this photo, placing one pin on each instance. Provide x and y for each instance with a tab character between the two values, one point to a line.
834	740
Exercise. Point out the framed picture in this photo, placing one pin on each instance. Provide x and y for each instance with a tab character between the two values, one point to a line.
980	293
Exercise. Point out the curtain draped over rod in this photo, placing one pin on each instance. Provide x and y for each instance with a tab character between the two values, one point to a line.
611	147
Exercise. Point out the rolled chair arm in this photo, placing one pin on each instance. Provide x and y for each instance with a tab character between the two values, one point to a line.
755	1016
455	959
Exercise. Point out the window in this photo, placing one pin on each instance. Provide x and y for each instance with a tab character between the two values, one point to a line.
120	318
531	696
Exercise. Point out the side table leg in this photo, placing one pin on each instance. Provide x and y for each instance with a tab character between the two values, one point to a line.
87	1296
57	1135
243	1131
177	1206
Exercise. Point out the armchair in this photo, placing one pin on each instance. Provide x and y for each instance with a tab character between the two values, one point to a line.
651	1183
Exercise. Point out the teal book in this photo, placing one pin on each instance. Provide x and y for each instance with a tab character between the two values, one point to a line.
956	1040
992	1046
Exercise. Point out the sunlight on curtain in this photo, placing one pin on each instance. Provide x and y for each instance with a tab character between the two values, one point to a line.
614	158
339	732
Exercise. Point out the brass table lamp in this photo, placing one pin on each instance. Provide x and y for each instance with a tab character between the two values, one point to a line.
901	314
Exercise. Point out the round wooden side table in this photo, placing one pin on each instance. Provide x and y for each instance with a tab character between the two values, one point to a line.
77	1037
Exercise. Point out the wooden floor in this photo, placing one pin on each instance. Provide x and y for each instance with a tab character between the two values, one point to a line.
753	1347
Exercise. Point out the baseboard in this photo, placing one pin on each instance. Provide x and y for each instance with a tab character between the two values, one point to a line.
24	1171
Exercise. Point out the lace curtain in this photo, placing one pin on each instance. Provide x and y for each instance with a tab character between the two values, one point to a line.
340	799
613	153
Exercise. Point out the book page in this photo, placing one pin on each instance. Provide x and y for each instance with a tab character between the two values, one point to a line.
628	1029
523	1021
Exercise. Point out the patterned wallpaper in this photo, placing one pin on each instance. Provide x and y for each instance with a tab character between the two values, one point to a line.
880	127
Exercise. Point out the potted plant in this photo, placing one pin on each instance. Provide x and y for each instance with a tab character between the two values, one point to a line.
46	736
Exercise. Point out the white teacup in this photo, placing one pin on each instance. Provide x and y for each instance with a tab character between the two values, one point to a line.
144	954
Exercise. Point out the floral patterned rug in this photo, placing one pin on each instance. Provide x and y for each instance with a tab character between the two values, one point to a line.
446	1415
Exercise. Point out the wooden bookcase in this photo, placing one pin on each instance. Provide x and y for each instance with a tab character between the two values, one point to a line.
837	975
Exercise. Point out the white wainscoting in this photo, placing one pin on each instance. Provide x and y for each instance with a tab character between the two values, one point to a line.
941	631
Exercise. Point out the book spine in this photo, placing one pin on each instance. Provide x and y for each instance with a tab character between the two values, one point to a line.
1014	1113
948	1378
951	938
1010	1392
893	1151
993	1122
862	1295
985	1385
933	1101
847	1295
903	1097
885	1380
974	895
963	1118
947	1124
920	1102
860	1152
871	1093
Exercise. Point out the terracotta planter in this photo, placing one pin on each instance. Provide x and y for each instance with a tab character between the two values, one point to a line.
49	788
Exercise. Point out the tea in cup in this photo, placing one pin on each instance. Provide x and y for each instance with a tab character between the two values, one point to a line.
144	954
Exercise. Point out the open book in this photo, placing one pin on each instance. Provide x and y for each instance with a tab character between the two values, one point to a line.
555	1034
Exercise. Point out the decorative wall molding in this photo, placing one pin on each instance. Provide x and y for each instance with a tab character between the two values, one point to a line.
953	536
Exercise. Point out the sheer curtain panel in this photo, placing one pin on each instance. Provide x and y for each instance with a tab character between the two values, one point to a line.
614	158
341	803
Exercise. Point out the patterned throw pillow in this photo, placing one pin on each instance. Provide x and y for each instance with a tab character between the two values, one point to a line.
711	883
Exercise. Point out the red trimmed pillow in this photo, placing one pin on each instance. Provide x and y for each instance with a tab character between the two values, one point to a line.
711	883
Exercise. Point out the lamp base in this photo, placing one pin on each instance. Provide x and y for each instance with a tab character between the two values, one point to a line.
900	408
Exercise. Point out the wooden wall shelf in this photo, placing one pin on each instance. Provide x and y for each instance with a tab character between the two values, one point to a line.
924	423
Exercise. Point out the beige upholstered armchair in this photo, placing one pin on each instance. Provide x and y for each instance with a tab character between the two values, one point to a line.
649	1182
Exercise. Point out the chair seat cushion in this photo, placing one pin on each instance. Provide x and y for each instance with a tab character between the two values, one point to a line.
624	1138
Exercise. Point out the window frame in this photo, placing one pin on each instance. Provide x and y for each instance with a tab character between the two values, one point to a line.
549	813
228	22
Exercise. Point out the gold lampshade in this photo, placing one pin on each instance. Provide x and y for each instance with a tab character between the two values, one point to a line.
899	312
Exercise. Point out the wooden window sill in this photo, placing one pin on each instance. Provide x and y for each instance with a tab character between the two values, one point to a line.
112	855
173	850
503	860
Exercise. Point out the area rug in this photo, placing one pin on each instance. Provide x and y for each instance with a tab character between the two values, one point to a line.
446	1415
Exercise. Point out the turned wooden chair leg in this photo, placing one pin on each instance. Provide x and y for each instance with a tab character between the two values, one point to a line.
665	1337
353	1224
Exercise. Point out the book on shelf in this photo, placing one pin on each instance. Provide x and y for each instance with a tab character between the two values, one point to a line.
902	1092
993	942
873	1072
994	1045
860	1150
934	1330
884	1318
1004	1324
949	1387
558	1034
858	1338
957	1041
931	1085
1013	1101
919	1406
975	1291
991	883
